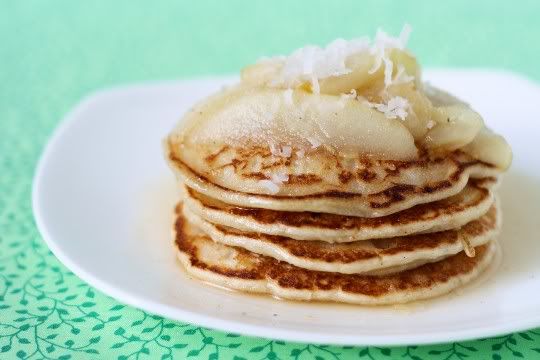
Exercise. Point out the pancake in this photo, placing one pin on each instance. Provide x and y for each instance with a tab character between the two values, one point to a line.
397	196
239	269
367	257
317	171
471	203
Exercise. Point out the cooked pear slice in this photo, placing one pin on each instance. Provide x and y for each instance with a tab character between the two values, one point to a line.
359	78
491	148
261	73
264	115
456	126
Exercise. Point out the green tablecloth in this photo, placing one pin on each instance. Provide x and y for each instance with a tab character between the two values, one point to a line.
53	53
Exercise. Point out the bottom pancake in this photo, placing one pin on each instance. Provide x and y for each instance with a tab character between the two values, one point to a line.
239	269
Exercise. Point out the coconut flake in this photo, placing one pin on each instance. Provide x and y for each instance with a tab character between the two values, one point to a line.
287	96
300	153
281	151
396	107
315	87
286	151
315	143
279	178
274	150
388	69
270	186
401	76
276	180
404	35
382	43
430	124
313	63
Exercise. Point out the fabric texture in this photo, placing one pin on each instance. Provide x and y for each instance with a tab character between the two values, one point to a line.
54	53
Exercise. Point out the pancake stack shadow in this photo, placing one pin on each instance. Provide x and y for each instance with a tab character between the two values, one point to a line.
408	235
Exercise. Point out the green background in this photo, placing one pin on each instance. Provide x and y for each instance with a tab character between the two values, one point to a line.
52	53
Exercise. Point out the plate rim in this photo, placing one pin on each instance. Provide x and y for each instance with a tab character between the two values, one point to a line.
237	326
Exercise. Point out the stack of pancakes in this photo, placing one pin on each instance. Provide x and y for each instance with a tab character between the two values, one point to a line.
353	183
410	242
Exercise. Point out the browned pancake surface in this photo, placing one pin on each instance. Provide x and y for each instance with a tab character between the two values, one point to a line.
379	172
355	251
258	267
415	214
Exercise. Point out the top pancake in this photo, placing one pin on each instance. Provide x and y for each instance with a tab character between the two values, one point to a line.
297	172
409	184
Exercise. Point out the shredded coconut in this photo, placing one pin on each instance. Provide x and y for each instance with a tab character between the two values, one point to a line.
287	96
388	69
281	151
286	151
381	44
274	150
315	143
313	63
300	154
271	186
397	107
279	178
401	76
275	181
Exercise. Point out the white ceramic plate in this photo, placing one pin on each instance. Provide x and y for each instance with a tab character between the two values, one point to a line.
103	200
